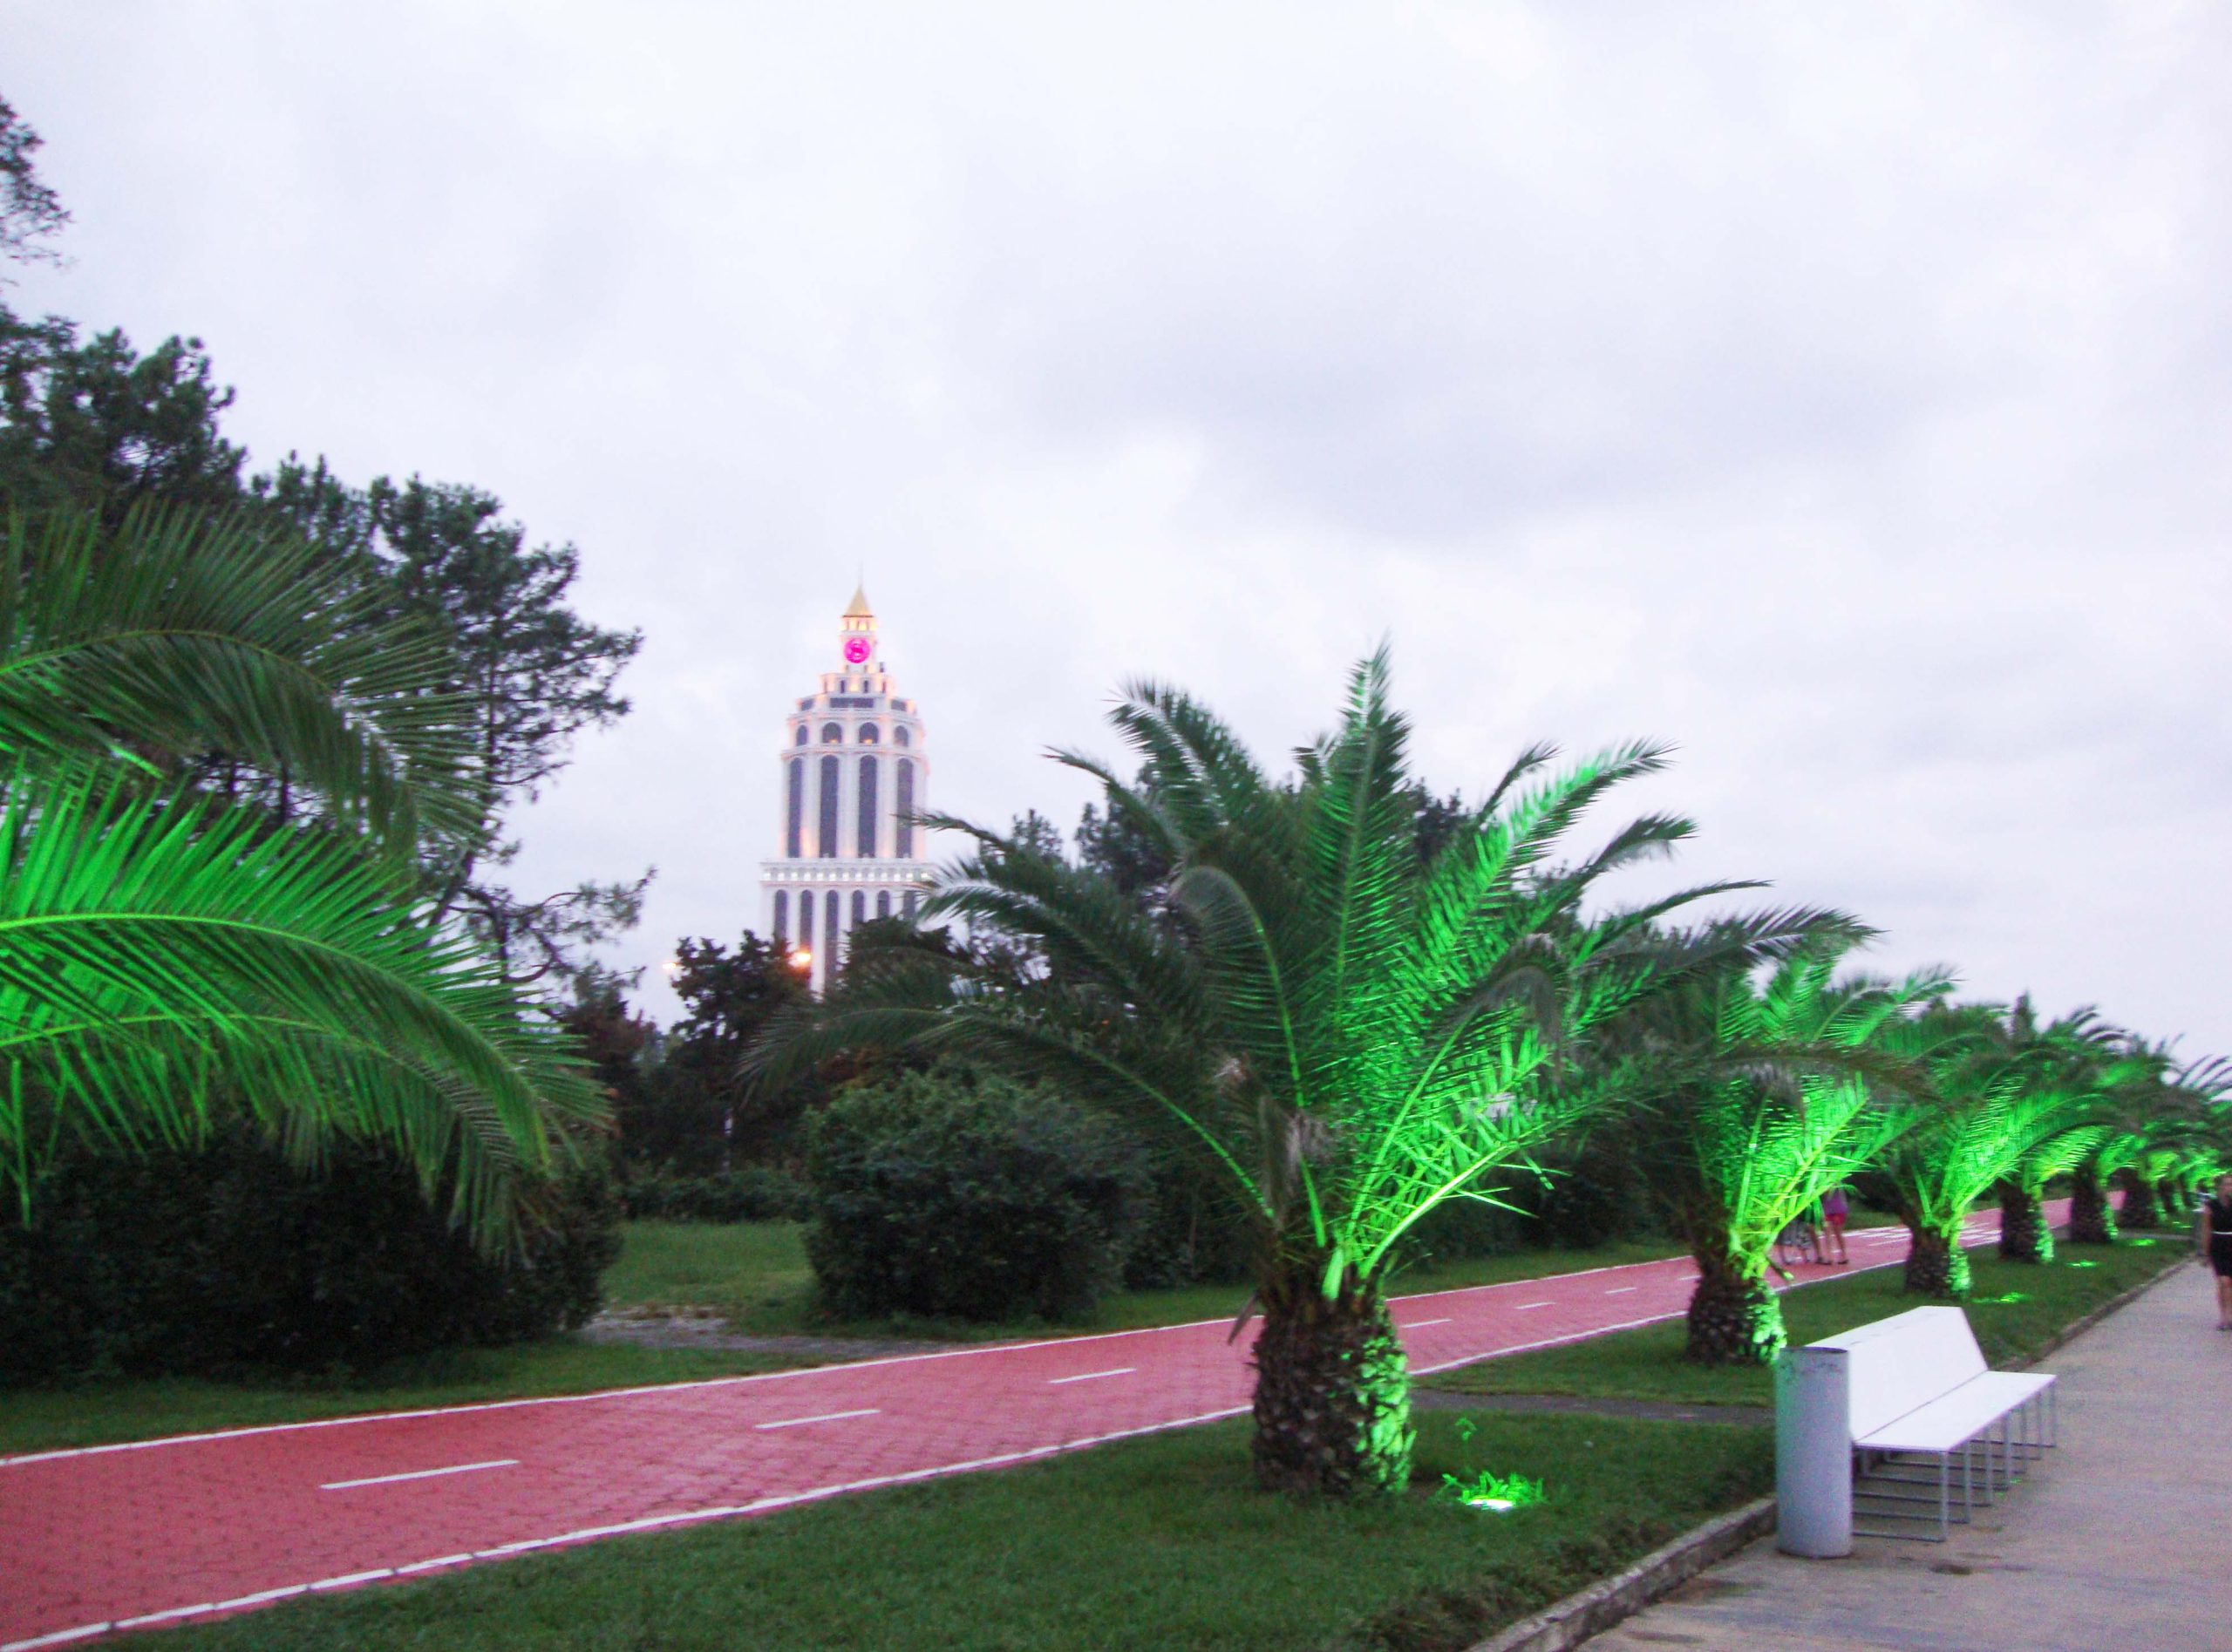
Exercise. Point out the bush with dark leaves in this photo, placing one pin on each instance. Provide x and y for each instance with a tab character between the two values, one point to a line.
229	1260
951	1193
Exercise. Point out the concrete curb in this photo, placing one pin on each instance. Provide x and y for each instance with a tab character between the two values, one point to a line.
1600	1606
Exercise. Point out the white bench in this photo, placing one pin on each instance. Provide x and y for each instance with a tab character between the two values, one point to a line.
1912	1386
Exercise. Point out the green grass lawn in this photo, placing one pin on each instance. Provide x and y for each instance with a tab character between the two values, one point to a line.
756	1274
1183	1552
1647	1364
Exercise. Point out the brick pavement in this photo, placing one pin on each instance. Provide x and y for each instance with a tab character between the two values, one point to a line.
151	1532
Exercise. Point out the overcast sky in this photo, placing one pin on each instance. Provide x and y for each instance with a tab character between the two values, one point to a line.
1842	393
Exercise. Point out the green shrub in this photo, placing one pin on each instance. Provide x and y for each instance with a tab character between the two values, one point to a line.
750	1193
950	1192
1193	1230
229	1258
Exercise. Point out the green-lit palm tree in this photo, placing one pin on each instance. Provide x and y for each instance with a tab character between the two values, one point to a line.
1771	1087
2151	1107
2071	1058
2026	1235
1353	1035
167	951
1990	1116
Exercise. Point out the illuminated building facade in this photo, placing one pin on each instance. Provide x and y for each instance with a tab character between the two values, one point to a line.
855	766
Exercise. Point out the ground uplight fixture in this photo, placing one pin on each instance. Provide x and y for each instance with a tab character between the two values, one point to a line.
802	960
1494	1493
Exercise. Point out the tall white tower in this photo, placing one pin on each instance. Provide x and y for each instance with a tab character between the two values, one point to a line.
854	766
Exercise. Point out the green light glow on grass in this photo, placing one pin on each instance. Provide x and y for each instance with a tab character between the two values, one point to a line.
1494	1493
2084	1264
2012	1296
2137	1244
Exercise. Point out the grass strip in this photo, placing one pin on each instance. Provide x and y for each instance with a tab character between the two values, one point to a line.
1153	1543
756	1274
2016	1309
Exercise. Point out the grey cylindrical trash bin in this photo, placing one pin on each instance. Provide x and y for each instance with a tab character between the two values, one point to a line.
1813	1452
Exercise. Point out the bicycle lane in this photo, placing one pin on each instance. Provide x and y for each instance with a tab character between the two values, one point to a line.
146	1533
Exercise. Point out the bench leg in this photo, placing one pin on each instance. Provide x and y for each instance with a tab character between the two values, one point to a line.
1944	1502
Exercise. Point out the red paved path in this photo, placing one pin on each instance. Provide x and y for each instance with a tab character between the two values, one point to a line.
135	1535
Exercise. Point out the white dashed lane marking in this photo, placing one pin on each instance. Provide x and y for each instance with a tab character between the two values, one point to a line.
826	1416
1420	1324
419	1474
1088	1377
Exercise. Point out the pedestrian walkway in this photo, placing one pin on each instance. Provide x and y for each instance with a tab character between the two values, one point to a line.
157	1532
2122	1538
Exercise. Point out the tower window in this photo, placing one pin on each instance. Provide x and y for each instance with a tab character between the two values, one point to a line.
794	807
827	846
782	916
860	907
806	919
906	905
883	903
868	735
864	837
833	734
829	934
900	737
905	803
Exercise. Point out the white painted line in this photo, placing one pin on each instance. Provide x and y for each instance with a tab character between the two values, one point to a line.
260	1596
164	1617
1523	1307
419	1474
826	1416
429	1565
1622	1291
59	1637
1091	1377
1420	1324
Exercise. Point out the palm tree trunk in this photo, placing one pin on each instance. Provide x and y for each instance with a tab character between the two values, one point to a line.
1937	1266
1734	1320
2091	1222
2023	1234
1332	1391
2138	1209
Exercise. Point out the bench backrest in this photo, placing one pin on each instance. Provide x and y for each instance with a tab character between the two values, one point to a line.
1899	1364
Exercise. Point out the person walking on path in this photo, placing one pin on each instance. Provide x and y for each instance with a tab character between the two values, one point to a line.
2215	1237
1835	1210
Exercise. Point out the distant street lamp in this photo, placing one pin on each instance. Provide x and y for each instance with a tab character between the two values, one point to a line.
802	960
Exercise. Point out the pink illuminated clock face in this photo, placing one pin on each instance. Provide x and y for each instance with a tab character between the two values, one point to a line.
856	649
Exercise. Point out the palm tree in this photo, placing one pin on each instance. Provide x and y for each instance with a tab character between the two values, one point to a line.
1352	1034
166	953
1772	1090
2026	1235
2152	1109
1991	1116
